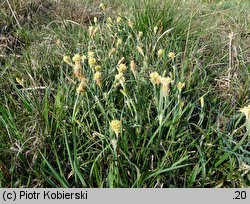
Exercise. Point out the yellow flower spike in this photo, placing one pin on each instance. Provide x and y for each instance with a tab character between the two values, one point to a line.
133	67
95	31
118	19
92	62
112	51
140	50
119	42
109	25
67	59
91	29
102	6
140	34
160	53
202	101
122	68
165	81
180	86
19	81
171	55
182	105
246	111
116	126
78	72
58	43
120	77
114	143
155	29
120	61
130	23
109	20
83	57
82	86
98	78
76	58
98	68
129	37
155	78
95	20
78	64
91	54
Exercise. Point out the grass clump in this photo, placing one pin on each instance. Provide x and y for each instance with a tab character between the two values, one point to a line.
146	95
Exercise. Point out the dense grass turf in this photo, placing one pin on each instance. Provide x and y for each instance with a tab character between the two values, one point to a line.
124	94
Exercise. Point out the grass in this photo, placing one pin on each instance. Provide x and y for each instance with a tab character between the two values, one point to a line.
55	116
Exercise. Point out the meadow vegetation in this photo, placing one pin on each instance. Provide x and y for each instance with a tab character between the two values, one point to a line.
128	93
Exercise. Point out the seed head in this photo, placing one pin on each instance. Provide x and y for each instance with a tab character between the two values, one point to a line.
91	54
171	55
78	73
155	29
140	50
92	34
165	82
119	42
202	101
122	68
82	86
160	53
120	61
140	34
109	25
76	58
180	86
92	62
120	78
130	23
133	67
246	111
109	20
98	68
98	78
116	126
111	52
102	6
20	81
118	19
91	29
114	143
67	59
155	78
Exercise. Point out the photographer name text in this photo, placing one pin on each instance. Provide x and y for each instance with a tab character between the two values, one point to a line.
13	195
